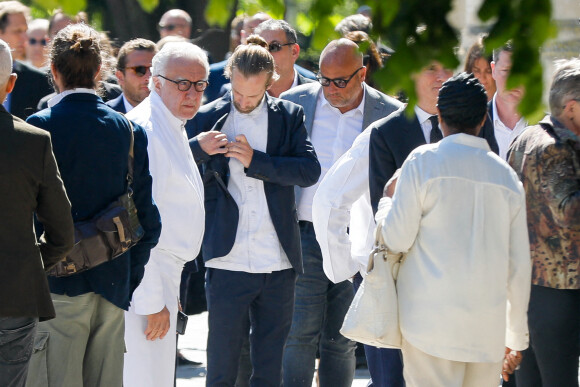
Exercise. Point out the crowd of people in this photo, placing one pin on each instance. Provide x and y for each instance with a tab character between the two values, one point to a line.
272	180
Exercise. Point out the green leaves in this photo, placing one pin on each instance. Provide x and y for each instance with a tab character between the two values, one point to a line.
148	5
70	7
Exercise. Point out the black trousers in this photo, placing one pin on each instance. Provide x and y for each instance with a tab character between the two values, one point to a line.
554	322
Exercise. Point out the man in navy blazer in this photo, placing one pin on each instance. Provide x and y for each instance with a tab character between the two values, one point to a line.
253	150
133	73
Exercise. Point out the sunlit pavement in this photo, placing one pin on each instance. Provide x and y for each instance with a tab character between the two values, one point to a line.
193	346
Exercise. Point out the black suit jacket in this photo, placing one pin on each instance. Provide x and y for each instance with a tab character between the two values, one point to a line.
31	85
29	183
392	139
289	160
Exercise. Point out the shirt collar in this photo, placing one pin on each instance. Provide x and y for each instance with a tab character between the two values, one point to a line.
468	140
57	98
422	115
496	115
360	108
127	104
157	103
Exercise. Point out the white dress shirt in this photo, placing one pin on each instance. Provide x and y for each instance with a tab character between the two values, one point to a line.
463	290
128	106
178	193
257	248
57	98
425	123
504	135
342	213
332	134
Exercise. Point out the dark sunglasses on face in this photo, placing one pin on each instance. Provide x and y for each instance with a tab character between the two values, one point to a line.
338	82
185	85
139	70
170	27
277	46
33	41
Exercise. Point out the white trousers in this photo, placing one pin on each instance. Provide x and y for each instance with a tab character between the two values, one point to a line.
152	363
423	370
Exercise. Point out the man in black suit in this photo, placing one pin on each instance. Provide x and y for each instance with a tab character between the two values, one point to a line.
133	73
253	150
29	183
394	137
32	84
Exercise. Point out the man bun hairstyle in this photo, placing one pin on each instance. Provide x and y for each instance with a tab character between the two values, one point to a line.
462	103
77	55
252	59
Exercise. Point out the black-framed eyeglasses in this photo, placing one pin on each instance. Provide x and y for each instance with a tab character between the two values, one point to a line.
277	46
139	70
33	42
185	85
338	82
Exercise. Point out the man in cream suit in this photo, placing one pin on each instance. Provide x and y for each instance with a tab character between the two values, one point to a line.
336	109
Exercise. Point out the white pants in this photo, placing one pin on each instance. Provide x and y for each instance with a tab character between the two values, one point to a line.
152	363
422	370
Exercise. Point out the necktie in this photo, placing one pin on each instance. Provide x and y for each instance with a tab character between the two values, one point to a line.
436	134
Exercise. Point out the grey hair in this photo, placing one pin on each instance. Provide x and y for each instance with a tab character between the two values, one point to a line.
565	85
5	62
174	50
276	25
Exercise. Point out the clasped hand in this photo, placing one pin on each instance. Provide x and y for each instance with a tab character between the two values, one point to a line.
214	142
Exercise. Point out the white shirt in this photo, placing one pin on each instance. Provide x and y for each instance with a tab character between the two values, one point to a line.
459	210
178	193
128	106
257	248
57	98
332	134
342	203
425	123
504	135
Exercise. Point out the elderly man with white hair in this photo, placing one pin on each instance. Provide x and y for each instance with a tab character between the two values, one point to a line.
179	77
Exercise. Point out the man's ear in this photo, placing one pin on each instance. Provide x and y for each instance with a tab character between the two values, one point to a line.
295	51
156	84
120	78
10	83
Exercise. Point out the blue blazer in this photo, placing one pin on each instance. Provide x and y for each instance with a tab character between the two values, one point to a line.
91	146
289	160
117	104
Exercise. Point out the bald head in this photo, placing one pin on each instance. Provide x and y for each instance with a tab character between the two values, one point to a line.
175	22
6	77
250	23
343	51
342	74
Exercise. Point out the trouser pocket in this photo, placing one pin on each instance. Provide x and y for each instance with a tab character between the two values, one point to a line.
16	342
38	368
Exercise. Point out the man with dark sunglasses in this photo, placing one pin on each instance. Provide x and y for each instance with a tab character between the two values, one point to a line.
133	73
175	22
283	45
337	109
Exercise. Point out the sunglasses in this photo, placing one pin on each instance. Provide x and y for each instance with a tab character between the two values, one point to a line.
338	82
34	42
185	85
277	46
171	27
139	70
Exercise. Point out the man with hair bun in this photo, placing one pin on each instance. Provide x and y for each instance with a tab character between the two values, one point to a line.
458	213
254	150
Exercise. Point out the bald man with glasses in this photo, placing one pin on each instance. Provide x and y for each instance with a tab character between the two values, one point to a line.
337	109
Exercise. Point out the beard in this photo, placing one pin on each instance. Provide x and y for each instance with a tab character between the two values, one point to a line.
247	110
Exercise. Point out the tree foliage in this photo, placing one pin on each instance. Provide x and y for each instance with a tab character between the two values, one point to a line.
419	32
